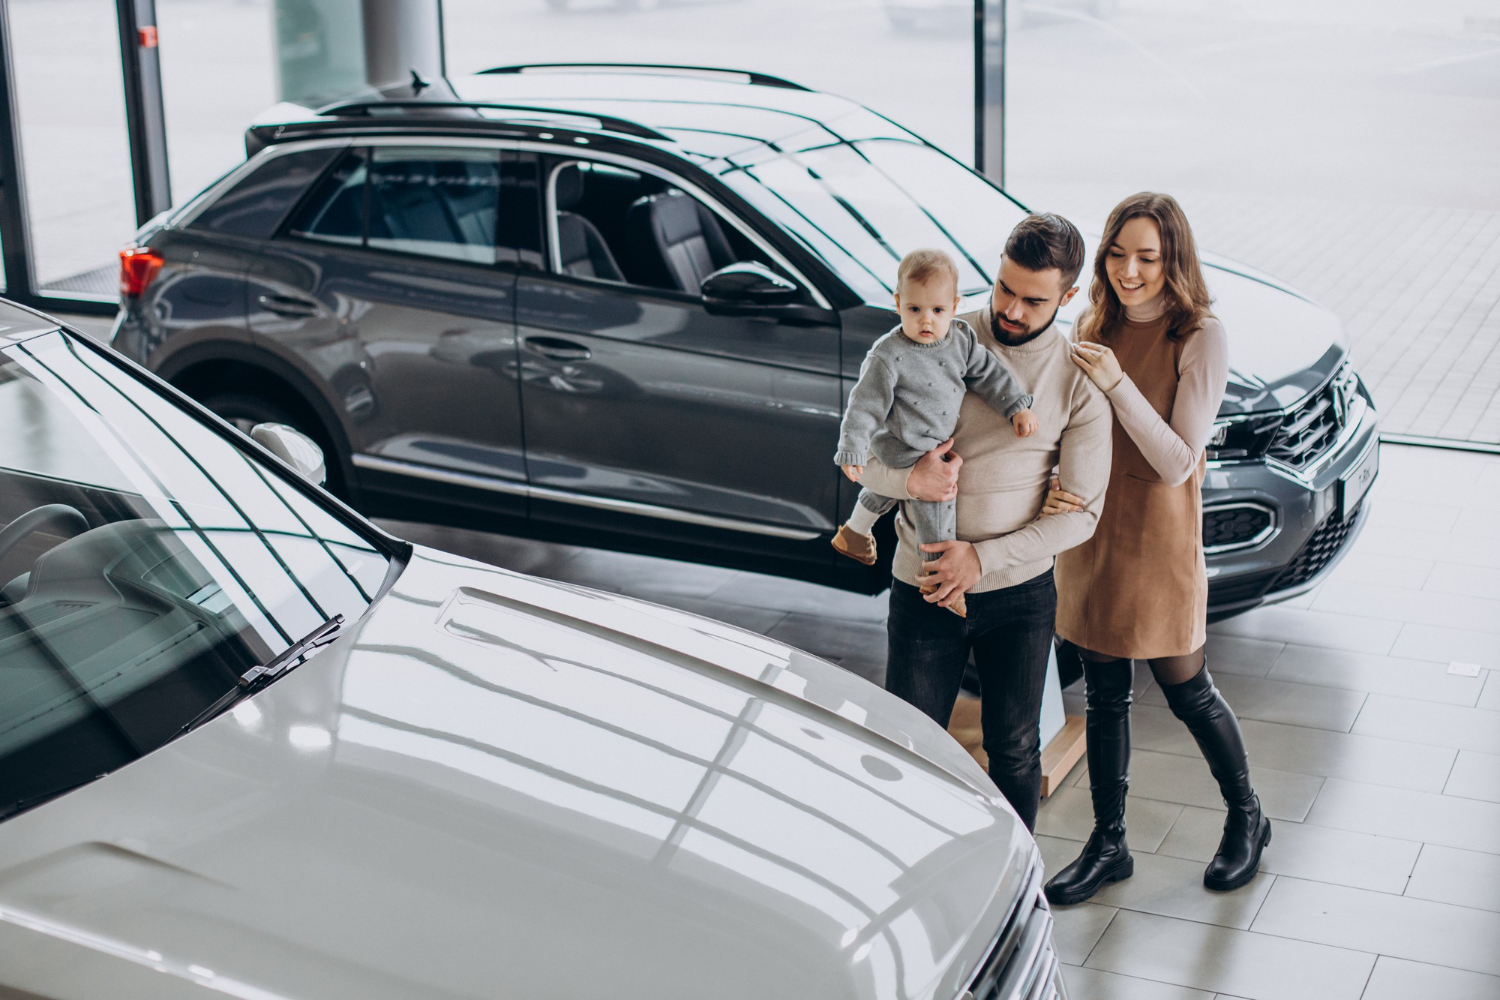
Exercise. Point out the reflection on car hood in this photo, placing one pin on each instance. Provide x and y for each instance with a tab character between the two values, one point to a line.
1281	344
494	785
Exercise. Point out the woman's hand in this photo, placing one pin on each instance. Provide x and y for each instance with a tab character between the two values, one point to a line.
1059	500
1099	363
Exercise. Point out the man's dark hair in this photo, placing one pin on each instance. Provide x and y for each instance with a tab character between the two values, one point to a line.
1044	241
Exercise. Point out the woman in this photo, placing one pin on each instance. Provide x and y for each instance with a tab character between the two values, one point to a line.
1138	589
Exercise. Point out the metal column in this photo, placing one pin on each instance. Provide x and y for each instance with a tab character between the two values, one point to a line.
989	88
15	222
145	120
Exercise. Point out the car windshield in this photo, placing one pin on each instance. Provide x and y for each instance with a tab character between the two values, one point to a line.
146	562
861	204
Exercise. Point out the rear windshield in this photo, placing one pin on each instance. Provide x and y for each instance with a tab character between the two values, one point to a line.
861	205
145	563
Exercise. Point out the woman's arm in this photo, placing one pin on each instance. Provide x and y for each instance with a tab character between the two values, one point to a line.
1173	447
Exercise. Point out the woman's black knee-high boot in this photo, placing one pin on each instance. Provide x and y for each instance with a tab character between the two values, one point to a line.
1105	858
1247	831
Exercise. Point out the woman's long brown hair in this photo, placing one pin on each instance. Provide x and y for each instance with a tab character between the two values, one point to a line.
1186	292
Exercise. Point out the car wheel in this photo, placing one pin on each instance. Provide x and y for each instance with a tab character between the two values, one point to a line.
245	411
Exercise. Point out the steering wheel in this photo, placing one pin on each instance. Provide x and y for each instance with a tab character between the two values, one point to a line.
59	518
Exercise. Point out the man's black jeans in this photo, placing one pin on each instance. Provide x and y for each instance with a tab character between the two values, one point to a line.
1010	633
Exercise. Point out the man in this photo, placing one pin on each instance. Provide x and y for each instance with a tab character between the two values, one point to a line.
1003	554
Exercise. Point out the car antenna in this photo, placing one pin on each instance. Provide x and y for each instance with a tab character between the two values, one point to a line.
417	83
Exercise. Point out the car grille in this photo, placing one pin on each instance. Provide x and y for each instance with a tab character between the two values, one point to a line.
1319	550
1022	964
1312	427
1235	526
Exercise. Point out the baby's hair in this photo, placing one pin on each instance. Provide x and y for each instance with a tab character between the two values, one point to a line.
925	264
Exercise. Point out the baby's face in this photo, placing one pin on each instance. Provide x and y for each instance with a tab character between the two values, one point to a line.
926	309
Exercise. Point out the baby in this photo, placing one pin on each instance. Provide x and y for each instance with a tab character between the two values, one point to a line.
907	397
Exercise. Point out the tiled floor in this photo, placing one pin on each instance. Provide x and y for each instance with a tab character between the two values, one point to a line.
1380	766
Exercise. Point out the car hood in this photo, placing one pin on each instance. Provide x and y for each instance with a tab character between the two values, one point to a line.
495	785
1282	345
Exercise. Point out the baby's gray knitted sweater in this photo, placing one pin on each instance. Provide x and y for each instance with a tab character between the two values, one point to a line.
906	400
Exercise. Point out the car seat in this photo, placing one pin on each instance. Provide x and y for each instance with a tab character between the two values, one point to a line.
680	233
581	248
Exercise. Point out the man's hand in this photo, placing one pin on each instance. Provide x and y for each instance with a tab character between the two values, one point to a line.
1025	423
854	472
955	572
935	476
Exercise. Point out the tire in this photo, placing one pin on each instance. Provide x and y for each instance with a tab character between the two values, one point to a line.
245	410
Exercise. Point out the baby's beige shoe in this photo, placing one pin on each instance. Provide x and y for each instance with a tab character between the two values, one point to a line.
854	545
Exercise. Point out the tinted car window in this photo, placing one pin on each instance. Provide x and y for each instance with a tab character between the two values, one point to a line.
438	203
162	563
335	211
255	206
860	205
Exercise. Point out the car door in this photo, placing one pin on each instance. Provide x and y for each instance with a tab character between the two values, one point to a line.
636	397
396	283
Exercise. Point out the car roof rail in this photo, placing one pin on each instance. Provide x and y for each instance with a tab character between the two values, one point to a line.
606	123
749	76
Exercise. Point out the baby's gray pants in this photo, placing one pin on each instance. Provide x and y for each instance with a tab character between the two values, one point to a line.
932	520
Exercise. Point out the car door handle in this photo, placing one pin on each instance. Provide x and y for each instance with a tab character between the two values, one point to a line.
288	305
558	350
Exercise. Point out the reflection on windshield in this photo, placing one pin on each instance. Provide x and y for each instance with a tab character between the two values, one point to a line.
861	205
145	565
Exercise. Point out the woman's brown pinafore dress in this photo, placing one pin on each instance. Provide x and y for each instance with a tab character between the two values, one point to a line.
1139	588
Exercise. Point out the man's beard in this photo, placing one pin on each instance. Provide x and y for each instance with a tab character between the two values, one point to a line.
1017	339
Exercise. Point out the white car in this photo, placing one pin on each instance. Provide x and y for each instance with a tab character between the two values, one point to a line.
252	746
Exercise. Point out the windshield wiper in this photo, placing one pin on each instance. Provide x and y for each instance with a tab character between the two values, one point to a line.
258	677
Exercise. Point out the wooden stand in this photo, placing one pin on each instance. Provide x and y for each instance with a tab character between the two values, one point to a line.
1058	756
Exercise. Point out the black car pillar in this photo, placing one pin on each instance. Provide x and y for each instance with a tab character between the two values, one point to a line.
989	88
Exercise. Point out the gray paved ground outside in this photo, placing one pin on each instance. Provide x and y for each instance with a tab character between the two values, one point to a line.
1379	765
1349	147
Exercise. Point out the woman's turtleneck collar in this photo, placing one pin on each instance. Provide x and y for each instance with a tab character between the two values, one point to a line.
1148	312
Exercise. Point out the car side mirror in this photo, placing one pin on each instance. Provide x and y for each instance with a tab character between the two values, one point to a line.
294	448
745	289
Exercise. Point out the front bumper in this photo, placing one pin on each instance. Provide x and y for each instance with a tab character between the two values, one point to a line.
1311	526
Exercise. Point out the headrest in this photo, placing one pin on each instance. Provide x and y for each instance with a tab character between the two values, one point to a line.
568	186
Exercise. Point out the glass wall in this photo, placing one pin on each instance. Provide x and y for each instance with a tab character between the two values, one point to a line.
74	149
1345	146
911	61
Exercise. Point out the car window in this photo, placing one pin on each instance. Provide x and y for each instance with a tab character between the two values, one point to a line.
335	210
861	205
611	223
147	563
257	203
437	203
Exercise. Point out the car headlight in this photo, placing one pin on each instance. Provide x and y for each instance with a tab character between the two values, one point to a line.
1236	439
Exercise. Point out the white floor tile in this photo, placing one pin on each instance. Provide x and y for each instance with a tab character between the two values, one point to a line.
1433	642
1430	723
1225	960
1078	929
1475	776
1489	696
1450	875
1314	628
1399	979
1173	887
1425	680
1186	780
1343	857
1232	654
1405	815
1422	607
1416	929
1468	581
1069	813
1091	984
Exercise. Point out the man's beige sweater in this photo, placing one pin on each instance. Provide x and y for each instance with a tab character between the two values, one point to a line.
1002	483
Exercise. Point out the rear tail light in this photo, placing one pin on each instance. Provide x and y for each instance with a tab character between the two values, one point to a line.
138	266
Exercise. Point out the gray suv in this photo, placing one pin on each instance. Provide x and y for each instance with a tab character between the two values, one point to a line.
623	305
